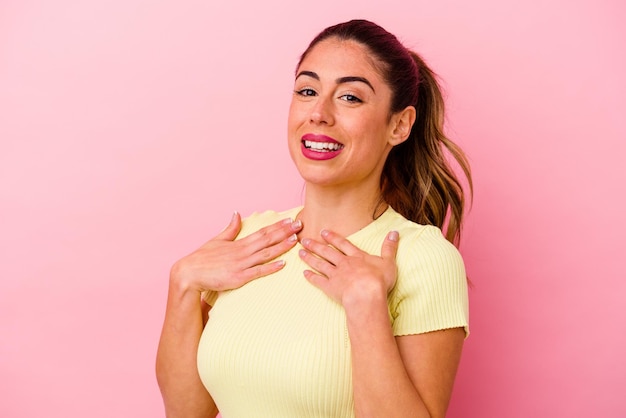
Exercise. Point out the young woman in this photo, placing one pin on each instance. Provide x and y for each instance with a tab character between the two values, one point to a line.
354	304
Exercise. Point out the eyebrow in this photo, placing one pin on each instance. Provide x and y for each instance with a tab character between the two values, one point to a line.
340	80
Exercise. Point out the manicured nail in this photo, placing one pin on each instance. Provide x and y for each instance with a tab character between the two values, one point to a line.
296	225
287	221
235	213
306	242
302	253
324	233
293	238
394	236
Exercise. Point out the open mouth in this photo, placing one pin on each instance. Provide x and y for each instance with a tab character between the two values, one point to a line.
322	146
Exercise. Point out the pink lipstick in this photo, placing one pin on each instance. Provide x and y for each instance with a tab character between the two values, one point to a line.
320	147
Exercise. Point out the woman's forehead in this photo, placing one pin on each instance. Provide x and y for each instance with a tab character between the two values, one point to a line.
341	54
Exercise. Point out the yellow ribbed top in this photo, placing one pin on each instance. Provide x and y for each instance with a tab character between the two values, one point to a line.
279	347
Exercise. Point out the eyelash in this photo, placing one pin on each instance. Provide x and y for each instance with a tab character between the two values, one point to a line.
308	92
353	98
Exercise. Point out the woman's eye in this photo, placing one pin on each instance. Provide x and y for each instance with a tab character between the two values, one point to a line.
306	92
350	98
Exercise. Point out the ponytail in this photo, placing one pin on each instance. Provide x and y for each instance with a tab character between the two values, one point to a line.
417	180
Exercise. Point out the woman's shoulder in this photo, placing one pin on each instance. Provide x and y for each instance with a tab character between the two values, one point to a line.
414	232
431	286
420	242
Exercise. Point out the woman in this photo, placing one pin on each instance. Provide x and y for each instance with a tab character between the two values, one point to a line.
354	304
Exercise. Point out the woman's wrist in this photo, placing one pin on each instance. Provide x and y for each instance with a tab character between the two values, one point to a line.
180	283
362	299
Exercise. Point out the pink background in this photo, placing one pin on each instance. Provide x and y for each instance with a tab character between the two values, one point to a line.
131	129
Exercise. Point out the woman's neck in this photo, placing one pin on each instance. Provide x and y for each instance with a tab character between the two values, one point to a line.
342	211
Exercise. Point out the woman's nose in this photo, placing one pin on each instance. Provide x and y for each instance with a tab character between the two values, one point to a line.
322	112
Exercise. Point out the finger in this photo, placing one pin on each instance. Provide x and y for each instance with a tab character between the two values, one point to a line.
390	246
270	235
319	264
324	251
269	253
260	270
339	242
317	280
232	229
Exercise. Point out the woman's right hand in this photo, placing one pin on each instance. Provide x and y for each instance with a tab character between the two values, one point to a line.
223	263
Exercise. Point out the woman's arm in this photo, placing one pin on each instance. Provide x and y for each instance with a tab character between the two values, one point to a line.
407	376
183	393
220	264
432	360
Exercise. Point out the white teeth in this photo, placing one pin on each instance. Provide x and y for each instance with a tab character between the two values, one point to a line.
323	146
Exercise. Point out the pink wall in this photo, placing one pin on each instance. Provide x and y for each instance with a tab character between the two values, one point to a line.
131	129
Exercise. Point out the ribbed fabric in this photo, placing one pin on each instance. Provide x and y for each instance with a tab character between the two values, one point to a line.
279	347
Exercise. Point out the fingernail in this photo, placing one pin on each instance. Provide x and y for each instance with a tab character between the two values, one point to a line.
293	238
287	221
324	233
296	225
232	219
306	241
302	253
394	236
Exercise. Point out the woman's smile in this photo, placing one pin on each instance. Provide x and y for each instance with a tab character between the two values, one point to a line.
320	147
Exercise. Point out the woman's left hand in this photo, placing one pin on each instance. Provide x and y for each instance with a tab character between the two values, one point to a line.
344	271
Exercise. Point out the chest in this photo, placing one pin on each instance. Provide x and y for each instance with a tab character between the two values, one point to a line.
277	345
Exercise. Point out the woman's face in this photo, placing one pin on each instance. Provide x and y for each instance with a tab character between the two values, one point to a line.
339	128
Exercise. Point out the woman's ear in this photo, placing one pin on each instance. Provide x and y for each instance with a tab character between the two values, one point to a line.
401	124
